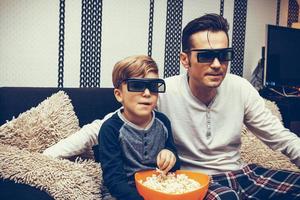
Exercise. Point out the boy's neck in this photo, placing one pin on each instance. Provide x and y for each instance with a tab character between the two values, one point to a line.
141	122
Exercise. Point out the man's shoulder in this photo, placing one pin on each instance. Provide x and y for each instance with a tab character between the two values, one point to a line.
234	77
236	80
235	84
174	78
173	83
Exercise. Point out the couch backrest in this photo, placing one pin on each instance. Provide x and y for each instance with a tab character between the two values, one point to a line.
89	103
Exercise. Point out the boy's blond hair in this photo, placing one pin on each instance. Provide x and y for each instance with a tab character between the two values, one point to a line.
131	67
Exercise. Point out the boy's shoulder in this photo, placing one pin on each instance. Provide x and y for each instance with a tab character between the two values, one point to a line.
113	121
110	127
161	116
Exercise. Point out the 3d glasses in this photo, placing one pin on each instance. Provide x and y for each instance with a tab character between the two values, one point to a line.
140	84
208	55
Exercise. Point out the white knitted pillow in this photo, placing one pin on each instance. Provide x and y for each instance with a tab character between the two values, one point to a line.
61	179
23	139
41	126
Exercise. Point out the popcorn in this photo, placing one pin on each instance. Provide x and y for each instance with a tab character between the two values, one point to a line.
171	183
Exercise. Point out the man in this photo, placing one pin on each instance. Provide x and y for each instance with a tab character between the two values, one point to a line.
207	109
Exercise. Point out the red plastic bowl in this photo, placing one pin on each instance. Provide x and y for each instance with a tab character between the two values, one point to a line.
150	194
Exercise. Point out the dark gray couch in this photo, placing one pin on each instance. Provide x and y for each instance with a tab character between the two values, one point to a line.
89	104
94	103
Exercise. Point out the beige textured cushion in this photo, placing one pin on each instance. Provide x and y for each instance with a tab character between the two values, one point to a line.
62	179
41	126
254	150
23	139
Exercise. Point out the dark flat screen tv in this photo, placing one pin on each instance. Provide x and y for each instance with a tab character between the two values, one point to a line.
282	59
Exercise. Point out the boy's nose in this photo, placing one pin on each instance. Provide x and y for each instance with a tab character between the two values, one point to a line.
146	92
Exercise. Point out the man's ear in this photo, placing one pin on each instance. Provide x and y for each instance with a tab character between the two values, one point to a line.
184	59
118	95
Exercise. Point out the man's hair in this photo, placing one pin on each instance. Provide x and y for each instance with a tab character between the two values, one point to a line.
208	22
131	67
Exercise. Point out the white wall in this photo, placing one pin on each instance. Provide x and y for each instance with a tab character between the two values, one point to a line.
28	43
299	10
191	11
259	13
284	7
29	36
72	43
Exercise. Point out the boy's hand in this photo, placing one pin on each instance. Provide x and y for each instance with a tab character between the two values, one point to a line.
165	160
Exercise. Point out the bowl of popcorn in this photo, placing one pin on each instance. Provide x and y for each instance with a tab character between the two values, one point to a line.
179	185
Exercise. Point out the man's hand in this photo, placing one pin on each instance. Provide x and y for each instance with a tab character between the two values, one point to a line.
165	160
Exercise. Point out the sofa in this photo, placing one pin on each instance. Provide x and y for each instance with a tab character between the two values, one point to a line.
22	108
88	104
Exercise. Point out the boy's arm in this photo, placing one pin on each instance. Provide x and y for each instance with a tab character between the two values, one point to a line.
111	159
78	142
170	145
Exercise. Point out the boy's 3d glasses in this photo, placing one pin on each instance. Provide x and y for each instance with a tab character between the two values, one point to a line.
140	84
208	55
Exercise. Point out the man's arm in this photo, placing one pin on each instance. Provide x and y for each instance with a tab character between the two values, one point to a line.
78	142
268	128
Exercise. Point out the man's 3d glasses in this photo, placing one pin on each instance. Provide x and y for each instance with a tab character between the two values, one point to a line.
140	84
208	55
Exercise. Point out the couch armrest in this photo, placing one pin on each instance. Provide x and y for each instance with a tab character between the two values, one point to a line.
11	190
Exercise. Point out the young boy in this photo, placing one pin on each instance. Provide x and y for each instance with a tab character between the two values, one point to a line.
136	137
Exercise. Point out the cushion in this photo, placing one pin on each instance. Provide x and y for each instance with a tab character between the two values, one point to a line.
254	150
62	179
23	139
41	126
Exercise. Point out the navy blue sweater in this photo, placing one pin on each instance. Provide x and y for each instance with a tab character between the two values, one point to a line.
124	149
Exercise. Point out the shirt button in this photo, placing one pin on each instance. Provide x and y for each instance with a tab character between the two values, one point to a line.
208	134
146	153
145	143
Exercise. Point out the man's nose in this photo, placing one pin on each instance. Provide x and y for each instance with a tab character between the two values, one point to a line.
216	63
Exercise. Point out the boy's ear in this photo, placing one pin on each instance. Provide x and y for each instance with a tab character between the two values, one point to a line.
184	59
118	95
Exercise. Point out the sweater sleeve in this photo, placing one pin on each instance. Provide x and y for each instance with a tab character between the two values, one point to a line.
111	159
78	142
268	128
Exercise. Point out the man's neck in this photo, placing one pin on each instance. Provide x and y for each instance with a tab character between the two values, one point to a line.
203	94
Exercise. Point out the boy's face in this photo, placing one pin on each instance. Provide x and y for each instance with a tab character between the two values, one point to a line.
138	106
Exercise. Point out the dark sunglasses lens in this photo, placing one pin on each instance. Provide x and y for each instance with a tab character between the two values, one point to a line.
204	57
136	86
157	87
226	55
209	56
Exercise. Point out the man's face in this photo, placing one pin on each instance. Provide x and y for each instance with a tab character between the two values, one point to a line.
137	105
207	75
